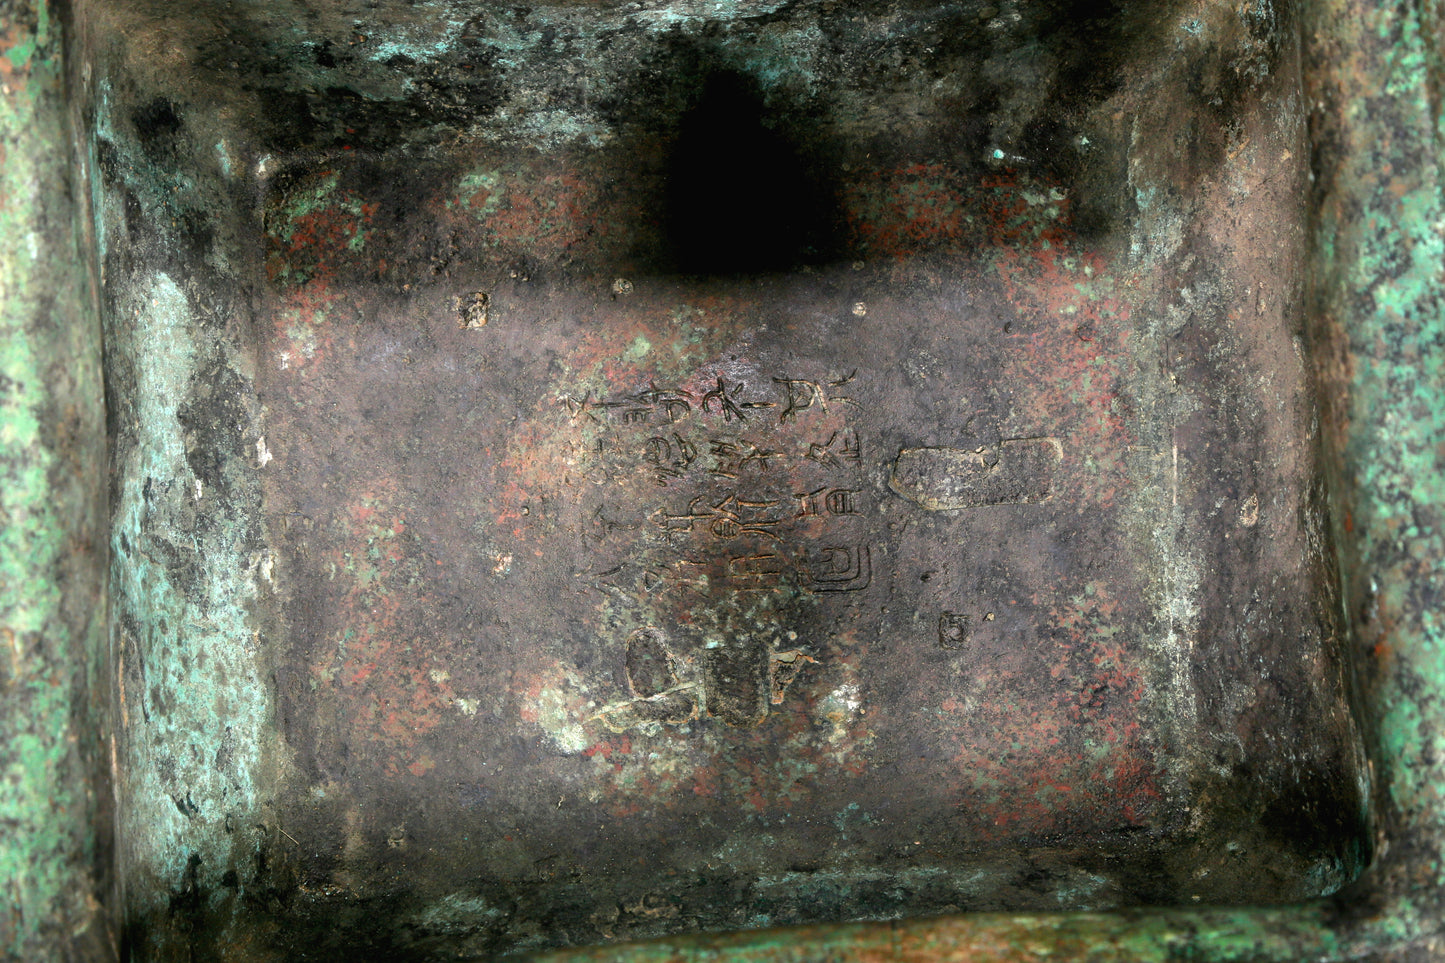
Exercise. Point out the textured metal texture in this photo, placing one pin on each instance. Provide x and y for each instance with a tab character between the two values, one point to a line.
590	472
56	801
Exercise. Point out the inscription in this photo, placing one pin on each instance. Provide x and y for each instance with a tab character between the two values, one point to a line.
840	568
841	446
757	571
652	405
669	462
731	517
637	581
649	663
759	485
738	683
828	501
721	400
733	457
803	394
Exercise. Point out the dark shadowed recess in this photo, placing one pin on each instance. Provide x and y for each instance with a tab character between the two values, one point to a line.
740	196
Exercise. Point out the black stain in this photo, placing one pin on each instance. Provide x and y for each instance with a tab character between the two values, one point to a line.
742	196
157	126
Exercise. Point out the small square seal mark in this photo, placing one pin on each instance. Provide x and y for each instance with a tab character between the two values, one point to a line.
952	630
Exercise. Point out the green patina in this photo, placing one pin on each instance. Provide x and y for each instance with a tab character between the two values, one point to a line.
305	201
783	60
1387	261
21	53
51	659
36	788
186	570
481	192
638	349
202	698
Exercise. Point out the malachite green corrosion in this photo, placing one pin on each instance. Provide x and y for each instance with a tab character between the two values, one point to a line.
186	568
189	779
54	760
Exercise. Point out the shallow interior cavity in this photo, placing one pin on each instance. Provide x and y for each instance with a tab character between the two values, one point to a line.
591	470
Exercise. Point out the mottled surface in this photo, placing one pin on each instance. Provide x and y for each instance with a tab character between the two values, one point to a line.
594	471
1372	74
690	576
772	501
56	801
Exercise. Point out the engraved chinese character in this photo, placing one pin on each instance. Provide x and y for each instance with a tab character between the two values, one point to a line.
801	394
681	574
731	517
734	455
755	571
839	568
671	402
581	407
827	501
603	525
842	446
668	459
675	408
648	396
725	401
600	460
